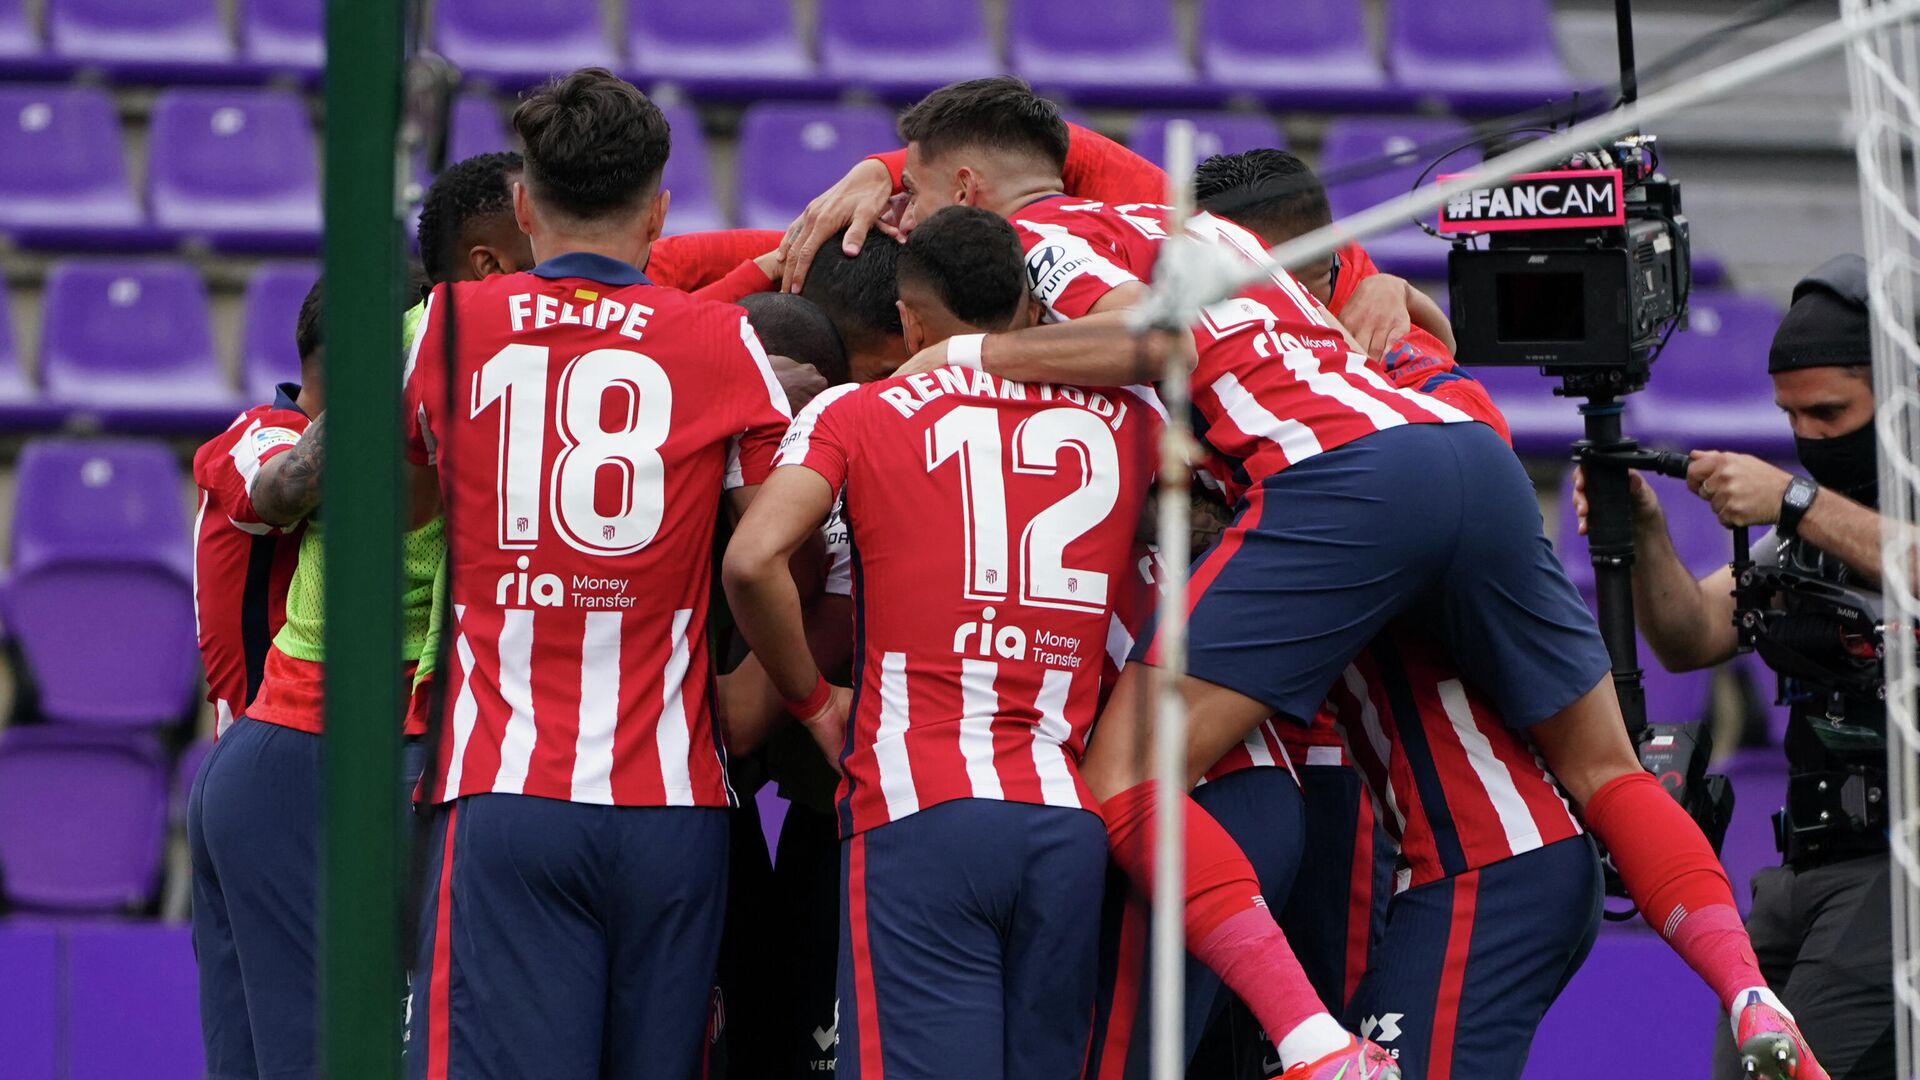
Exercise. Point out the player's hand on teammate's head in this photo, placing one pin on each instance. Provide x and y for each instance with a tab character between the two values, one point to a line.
858	201
829	726
802	382
1646	505
773	264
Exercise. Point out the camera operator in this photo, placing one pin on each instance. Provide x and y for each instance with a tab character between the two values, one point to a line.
1820	923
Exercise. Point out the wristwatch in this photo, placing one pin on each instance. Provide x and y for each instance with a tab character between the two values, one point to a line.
1794	504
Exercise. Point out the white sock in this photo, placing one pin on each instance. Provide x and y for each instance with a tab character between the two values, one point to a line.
1316	1037
1754	995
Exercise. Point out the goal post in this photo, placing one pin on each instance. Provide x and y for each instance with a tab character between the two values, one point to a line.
1883	70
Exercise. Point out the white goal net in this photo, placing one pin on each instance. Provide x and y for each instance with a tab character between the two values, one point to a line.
1883	66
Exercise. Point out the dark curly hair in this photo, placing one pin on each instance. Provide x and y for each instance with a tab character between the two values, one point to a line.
593	142
466	190
1269	191
307	328
1001	113
857	293
970	259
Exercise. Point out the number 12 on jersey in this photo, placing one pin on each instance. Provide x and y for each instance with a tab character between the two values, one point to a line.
640	411
969	435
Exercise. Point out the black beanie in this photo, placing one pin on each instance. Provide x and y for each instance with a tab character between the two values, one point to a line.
1827	324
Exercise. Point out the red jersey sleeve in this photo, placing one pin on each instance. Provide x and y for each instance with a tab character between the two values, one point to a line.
819	438
745	280
1356	266
764	418
225	466
693	260
1068	274
1097	168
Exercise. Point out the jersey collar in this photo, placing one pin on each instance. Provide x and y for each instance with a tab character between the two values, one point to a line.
286	395
591	267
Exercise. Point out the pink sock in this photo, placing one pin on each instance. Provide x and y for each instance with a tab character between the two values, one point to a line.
1253	959
1714	943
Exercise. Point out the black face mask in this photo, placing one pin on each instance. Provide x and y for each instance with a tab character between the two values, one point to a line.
1849	464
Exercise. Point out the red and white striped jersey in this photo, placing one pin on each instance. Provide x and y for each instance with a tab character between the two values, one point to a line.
990	525
241	565
1453	784
594	422
1276	381
1264	747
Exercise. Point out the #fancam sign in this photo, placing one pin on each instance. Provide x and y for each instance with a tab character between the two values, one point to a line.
1569	199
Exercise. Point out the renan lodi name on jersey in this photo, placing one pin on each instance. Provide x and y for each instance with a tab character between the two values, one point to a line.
907	398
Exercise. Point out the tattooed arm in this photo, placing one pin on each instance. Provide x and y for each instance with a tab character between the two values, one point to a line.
287	488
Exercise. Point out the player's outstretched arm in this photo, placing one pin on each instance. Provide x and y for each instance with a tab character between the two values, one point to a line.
287	488
1100	349
784	515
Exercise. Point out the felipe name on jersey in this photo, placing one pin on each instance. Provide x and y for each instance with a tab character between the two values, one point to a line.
528	590
539	311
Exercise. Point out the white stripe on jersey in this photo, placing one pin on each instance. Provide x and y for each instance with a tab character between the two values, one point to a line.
1359	365
465	708
1325	755
735	477
1515	819
1119	642
670	736
890	739
199	519
1227	233
1305	366
796	442
1049	759
516	690
599	708
979	704
775	392
1377	739
222	717
1296	439
246	460
1256	744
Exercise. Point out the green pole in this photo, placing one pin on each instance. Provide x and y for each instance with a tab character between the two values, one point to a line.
362	512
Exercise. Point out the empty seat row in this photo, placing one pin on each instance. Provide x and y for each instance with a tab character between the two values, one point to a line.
128	343
1307	53
98	1000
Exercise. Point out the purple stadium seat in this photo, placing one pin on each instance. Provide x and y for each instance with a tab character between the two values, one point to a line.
148	39
521	42
134	985
100	597
1214	133
1709	389
30	986
734	48
476	127
1367	161
1295	53
773	815
284	35
1759	777
1543	425
689	176
236	167
82	817
791	152
63	169
1122	51
132	341
1630	971
904	47
1502	58
268	355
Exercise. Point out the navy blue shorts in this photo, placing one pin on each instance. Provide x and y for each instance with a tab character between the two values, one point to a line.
1335	920
567	941
1262	811
253	831
1470	963
1435	521
969	937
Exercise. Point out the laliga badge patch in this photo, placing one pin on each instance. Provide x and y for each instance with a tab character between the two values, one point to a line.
1568	199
